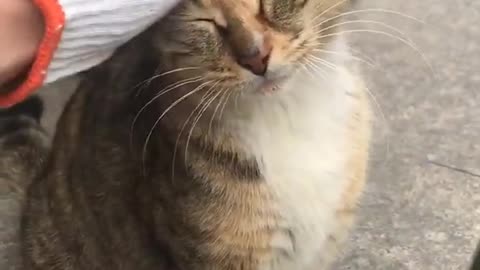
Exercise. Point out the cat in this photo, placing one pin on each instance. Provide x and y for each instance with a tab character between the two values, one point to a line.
214	140
476	259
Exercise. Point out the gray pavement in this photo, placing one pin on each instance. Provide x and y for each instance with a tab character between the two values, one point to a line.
416	213
421	209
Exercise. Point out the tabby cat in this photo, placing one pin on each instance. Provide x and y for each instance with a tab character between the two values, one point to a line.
232	134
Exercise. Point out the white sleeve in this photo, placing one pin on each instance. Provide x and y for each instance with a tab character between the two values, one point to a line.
95	28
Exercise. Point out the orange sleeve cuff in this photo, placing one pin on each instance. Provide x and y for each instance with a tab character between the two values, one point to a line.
54	23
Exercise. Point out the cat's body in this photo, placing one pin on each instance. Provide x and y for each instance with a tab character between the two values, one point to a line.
270	183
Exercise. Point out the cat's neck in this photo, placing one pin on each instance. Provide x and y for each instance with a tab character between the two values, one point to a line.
305	100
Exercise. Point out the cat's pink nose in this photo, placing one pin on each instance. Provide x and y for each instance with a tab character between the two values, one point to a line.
257	60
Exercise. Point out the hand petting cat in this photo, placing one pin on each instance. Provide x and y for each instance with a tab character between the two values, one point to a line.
42	41
21	30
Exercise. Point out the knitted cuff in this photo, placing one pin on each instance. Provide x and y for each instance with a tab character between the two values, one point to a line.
54	22
83	33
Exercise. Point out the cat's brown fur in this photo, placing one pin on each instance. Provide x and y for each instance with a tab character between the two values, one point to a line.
161	195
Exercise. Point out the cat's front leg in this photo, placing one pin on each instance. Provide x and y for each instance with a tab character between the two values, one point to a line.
23	142
23	147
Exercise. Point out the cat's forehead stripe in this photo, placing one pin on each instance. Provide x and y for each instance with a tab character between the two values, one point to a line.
223	4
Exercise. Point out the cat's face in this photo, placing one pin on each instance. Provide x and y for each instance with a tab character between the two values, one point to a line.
246	45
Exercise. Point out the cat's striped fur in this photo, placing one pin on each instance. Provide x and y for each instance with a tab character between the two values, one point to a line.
265	178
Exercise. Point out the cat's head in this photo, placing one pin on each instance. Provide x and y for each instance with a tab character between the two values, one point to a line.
245	45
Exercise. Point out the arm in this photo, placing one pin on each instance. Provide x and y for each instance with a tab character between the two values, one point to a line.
77	35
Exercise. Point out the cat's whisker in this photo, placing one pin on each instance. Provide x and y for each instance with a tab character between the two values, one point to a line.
210	91
197	119
227	99
324	62
305	64
352	53
224	93
384	117
369	10
329	9
346	55
316	67
205	97
378	32
149	80
175	103
361	54
167	89
177	84
235	99
389	27
369	92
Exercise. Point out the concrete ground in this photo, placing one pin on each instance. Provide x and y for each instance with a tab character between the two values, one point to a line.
422	207
421	210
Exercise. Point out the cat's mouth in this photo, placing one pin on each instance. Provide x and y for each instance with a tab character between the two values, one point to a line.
268	86
270	83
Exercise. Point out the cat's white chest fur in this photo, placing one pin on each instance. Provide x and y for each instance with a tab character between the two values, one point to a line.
300	141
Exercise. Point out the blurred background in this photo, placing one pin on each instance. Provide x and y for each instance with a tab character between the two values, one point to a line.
421	210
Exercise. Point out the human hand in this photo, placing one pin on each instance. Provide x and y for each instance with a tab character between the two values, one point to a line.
21	31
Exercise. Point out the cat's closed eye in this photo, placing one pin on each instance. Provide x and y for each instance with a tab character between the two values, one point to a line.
222	28
205	20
